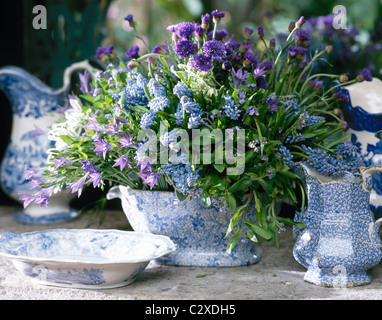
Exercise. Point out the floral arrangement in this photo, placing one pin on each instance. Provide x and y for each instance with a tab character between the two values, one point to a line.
255	102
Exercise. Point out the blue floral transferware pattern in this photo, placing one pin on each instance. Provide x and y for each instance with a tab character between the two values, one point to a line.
83	258
35	108
363	114
340	241
198	231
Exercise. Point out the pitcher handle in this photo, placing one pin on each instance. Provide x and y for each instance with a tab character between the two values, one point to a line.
82	65
374	233
367	173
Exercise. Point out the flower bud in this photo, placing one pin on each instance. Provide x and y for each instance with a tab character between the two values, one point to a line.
300	22
130	19
272	43
343	78
329	49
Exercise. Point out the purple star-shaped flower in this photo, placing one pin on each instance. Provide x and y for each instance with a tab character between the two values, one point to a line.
122	162
102	146
93	124
150	178
30	172
96	178
87	165
127	141
78	185
239	77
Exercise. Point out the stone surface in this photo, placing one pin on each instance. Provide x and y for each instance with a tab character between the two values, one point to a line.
276	277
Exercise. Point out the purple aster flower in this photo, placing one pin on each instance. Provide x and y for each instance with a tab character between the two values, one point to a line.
205	21
78	185
302	35
102	146
184	29
201	62
199	31
96	178
185	48
150	178
122	161
102	51
87	165
215	50
220	34
30	172
127	141
217	16
239	77
365	75
132	53
248	55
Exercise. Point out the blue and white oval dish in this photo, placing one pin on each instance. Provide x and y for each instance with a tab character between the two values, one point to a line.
83	258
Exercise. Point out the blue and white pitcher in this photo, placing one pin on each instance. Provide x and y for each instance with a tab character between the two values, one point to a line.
35	108
340	241
363	113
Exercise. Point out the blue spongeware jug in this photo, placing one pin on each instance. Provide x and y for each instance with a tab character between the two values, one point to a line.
340	241
35	108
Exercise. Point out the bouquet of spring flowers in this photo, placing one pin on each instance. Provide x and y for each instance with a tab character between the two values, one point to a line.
205	116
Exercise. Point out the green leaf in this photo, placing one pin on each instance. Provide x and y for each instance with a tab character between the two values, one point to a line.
266	186
255	228
231	201
233	241
219	167
67	139
289	221
242	184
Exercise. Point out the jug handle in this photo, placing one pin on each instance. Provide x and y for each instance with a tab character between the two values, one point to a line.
82	65
367	175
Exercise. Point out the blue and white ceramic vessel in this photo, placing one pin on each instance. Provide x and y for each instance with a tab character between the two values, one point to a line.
35	108
363	113
340	241
198	231
83	258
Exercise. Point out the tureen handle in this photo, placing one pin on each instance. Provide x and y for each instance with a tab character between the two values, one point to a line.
113	193
367	173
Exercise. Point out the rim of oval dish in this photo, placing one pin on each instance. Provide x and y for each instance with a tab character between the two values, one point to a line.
168	247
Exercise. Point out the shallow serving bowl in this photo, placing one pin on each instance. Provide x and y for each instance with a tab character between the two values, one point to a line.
83	258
